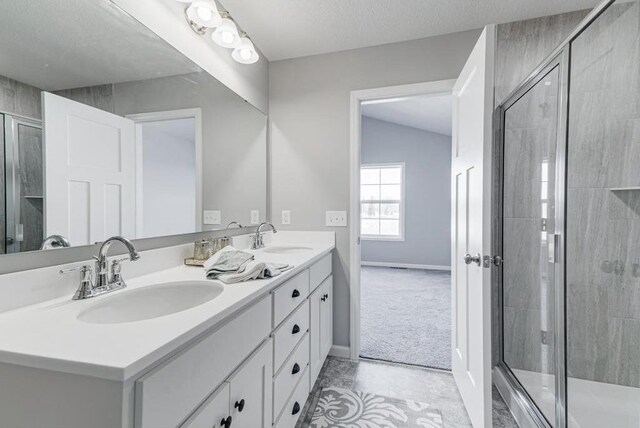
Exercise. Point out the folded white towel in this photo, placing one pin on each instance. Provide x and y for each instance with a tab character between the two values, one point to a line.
227	260
254	270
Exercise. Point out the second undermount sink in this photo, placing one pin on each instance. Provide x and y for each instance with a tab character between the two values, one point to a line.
286	249
150	302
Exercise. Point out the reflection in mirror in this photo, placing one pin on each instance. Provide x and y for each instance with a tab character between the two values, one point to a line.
107	130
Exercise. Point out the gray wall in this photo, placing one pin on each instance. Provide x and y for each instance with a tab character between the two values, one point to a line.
427	159
309	131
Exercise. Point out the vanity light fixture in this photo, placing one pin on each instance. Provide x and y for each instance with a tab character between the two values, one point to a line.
203	14
246	52
226	34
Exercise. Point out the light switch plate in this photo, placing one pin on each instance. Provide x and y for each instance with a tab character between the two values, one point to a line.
255	216
212	217
336	219
286	217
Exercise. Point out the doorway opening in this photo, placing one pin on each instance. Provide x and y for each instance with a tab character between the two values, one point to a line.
168	172
404	225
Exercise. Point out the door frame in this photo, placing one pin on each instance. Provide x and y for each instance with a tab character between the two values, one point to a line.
140	118
437	87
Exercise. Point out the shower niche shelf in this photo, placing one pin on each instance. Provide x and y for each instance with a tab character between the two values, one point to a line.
623	189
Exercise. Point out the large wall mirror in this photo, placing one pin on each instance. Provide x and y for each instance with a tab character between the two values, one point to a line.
106	130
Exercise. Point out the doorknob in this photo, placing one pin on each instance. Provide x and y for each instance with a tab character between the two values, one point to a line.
468	259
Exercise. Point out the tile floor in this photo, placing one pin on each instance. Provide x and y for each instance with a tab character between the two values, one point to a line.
394	380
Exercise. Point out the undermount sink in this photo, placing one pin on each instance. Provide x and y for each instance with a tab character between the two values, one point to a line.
150	302
286	249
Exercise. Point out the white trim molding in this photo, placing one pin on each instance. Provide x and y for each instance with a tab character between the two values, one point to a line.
340	351
357	97
405	265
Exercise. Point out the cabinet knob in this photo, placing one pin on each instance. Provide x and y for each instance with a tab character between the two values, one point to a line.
296	368
295	293
323	298
296	329
239	405
326	296
296	408
226	423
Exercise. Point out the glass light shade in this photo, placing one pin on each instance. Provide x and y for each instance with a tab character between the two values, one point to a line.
204	13
226	35
245	53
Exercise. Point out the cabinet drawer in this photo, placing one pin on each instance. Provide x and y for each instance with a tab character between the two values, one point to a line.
293	409
166	395
291	372
289	296
319	271
212	412
287	336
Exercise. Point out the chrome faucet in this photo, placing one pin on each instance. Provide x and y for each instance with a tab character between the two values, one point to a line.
258	239
104	283
102	266
54	241
234	223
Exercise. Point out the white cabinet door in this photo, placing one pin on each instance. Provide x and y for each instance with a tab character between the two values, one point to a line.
471	227
251	390
90	172
326	318
321	326
212	413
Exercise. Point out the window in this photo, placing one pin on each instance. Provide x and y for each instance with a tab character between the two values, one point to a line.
382	201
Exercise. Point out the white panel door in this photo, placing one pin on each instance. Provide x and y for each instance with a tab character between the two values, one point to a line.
471	230
89	172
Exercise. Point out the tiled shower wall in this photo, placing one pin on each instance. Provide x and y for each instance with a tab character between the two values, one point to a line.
603	235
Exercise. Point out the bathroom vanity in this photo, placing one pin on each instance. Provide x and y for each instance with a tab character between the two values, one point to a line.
241	355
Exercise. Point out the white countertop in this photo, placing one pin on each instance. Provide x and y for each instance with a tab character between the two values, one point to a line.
48	335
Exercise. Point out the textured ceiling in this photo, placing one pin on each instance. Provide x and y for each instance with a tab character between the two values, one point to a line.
53	44
428	112
293	28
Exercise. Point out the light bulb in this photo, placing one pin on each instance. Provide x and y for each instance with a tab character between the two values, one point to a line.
204	13
245	53
227	37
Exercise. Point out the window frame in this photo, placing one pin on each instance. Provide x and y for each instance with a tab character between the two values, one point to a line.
401	203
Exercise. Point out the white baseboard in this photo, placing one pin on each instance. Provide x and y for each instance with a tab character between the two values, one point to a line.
340	351
405	265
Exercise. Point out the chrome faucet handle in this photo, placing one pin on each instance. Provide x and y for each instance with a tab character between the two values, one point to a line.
116	269
85	289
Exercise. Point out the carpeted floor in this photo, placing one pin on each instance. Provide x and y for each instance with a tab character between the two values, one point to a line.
406	316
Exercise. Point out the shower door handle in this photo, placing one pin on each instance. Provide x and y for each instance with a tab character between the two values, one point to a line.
468	259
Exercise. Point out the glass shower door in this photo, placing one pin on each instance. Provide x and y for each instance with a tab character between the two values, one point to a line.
530	125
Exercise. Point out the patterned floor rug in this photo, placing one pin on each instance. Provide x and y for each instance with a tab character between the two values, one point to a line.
343	408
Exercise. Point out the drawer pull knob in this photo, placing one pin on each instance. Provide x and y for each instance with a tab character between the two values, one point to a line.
296	368
296	408
226	423
326	296
323	298
239	405
296	329
295	294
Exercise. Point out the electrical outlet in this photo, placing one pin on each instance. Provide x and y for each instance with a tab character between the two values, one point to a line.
255	217
286	217
336	219
212	217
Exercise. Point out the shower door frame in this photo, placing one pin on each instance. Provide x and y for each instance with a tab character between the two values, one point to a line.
517	394
13	190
